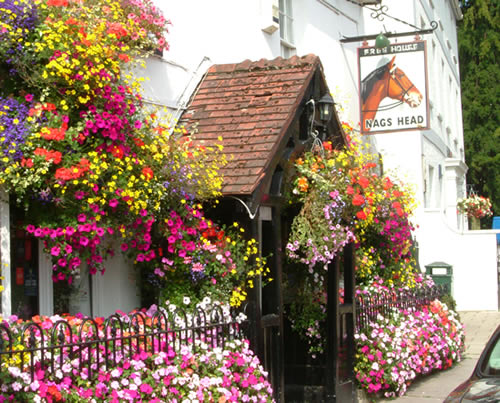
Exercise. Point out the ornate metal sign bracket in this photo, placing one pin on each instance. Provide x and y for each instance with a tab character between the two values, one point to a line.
379	13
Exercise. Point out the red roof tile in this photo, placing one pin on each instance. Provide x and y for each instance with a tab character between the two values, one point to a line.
250	104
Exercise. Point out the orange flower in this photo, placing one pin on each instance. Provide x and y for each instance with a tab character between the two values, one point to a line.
303	184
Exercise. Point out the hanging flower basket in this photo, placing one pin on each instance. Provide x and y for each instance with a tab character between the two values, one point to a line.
475	206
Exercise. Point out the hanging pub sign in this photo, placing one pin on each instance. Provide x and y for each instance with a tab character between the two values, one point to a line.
393	88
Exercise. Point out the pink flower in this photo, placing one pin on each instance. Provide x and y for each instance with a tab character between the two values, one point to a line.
197	267
55	251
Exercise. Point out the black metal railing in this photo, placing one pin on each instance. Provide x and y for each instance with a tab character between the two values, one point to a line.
369	306
95	344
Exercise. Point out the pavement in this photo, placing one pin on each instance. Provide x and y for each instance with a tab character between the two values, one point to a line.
433	388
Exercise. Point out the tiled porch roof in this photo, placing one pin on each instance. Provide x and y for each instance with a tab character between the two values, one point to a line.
250	105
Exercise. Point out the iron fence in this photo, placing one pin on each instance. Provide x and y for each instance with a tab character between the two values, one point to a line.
97	344
369	306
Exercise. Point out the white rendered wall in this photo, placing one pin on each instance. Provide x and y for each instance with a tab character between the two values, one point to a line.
473	255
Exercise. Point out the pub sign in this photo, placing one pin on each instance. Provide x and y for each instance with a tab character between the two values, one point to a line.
393	88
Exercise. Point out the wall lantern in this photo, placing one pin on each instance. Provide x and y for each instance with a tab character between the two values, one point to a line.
325	108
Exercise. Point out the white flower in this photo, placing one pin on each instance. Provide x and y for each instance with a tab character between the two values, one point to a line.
186	300
15	371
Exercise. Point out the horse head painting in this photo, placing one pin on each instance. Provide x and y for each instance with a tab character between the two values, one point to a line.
387	81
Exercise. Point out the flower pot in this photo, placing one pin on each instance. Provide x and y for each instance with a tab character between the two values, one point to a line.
474	223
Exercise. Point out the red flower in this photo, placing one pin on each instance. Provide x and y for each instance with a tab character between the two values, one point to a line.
147	172
361	215
49	155
27	162
54	134
117	29
57	3
358	200
364	182
124	57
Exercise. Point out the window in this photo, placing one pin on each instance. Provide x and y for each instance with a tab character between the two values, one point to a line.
286	29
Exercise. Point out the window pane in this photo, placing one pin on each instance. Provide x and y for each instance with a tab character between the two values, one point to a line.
491	365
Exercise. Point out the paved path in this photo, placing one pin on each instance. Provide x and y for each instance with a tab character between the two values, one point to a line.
434	388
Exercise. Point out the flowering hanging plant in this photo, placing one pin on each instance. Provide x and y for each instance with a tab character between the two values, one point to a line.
475	206
95	170
200	258
343	198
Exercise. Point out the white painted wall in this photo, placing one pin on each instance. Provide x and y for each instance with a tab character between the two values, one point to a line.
473	255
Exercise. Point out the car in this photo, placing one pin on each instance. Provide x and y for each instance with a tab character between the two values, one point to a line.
484	383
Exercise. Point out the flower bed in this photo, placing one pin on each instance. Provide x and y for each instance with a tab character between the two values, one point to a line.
177	370
394	350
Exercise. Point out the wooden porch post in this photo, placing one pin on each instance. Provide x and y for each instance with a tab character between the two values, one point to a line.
341	320
278	256
256	333
332	336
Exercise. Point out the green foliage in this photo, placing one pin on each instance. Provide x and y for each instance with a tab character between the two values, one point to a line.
479	48
449	301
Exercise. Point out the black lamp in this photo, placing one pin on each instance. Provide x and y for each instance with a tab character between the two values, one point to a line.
325	108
